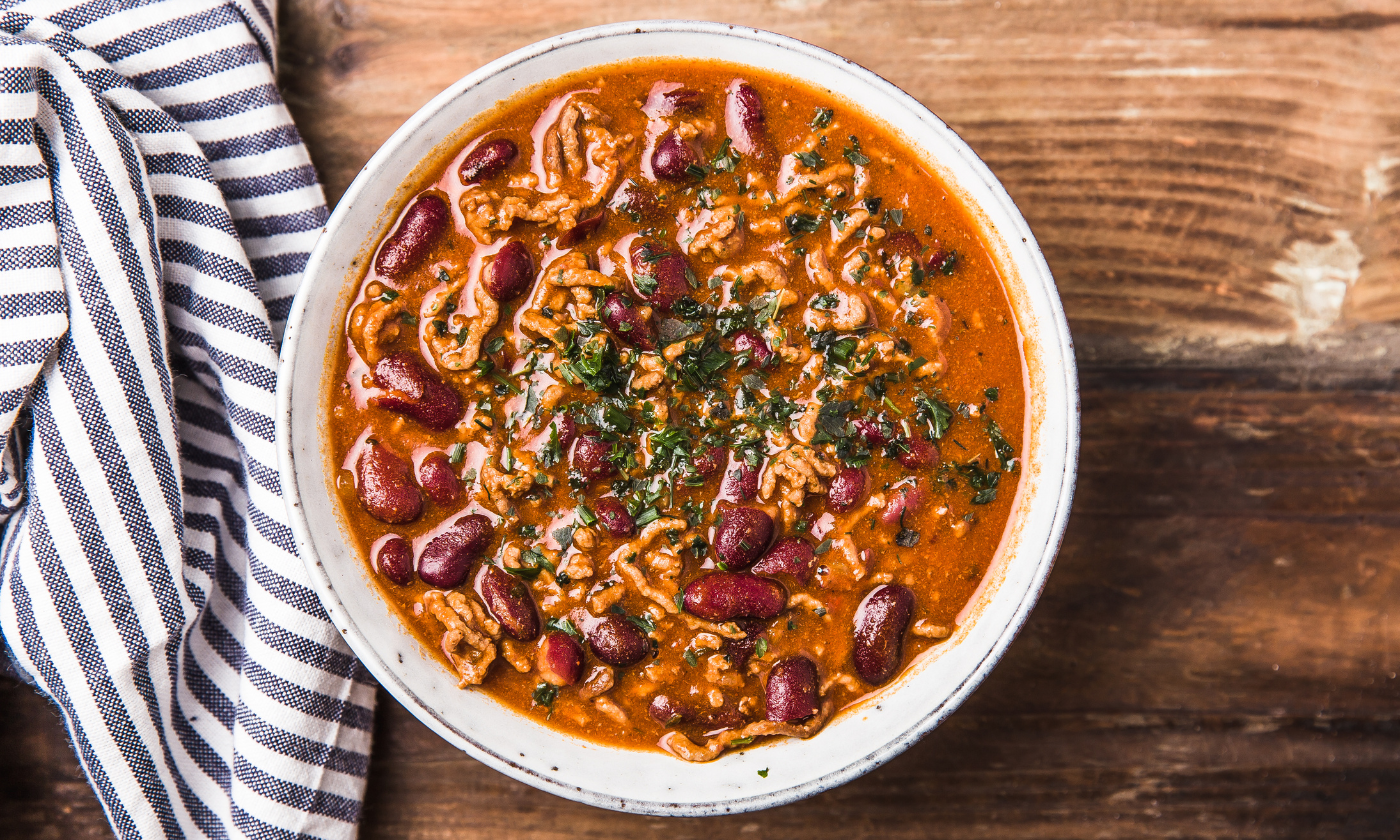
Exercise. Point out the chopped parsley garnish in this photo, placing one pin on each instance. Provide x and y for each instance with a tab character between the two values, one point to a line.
800	223
563	625
726	160
389	295
701	361
811	160
934	413
457	453
991	394
1006	455
822	118
854	154
763	774
544	695
983	481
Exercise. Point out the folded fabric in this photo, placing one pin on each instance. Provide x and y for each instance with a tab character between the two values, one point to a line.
156	210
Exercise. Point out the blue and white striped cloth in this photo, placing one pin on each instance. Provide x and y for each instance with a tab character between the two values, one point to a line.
156	210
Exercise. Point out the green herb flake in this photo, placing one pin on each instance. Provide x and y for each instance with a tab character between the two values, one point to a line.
823	547
822	117
690	658
992	394
761	648
544	695
457	453
811	160
763	774
563	625
389	296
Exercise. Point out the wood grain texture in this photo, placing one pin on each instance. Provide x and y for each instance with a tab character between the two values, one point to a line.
1210	181
1217	189
1213	656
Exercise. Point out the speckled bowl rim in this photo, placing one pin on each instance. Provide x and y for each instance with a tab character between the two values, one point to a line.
1047	323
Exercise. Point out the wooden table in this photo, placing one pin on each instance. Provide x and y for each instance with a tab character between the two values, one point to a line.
1212	185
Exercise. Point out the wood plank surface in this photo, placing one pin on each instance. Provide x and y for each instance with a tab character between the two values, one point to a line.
1211	181
1216	186
1213	656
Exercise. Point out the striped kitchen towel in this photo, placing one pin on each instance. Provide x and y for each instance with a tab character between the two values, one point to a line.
156	211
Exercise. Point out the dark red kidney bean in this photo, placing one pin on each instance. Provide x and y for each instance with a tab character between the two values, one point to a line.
722	596
567	429
617	641
907	497
916	453
744	121
446	558
740	650
880	622
875	432
590	456
438	478
582	230
709	460
847	489
788	556
508	599
395	560
625	320
510	272
653	263
385	485
411	388
638	199
791	693
755	345
613	516
668	712
742	482
940	261
902	244
424	222
742	536
672	157
725	717
560	659
487	160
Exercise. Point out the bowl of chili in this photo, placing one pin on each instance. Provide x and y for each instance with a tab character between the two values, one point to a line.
445	152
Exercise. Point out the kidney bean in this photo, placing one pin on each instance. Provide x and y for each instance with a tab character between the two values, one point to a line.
487	160
916	453
902	244
411	388
590	456
510	272
740	650
755	345
625	320
613	516
672	157
875	432
508	599
617	641
668	712
742	536
438	478
659	270
791	692
709	460
725	717
880	622
744	121
385	485
638	199
722	596
662	102
788	556
422	224
447	556
582	230
560	659
742	482
847	489
395	560
906	497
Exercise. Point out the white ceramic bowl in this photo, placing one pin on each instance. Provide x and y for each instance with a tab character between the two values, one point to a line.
860	738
